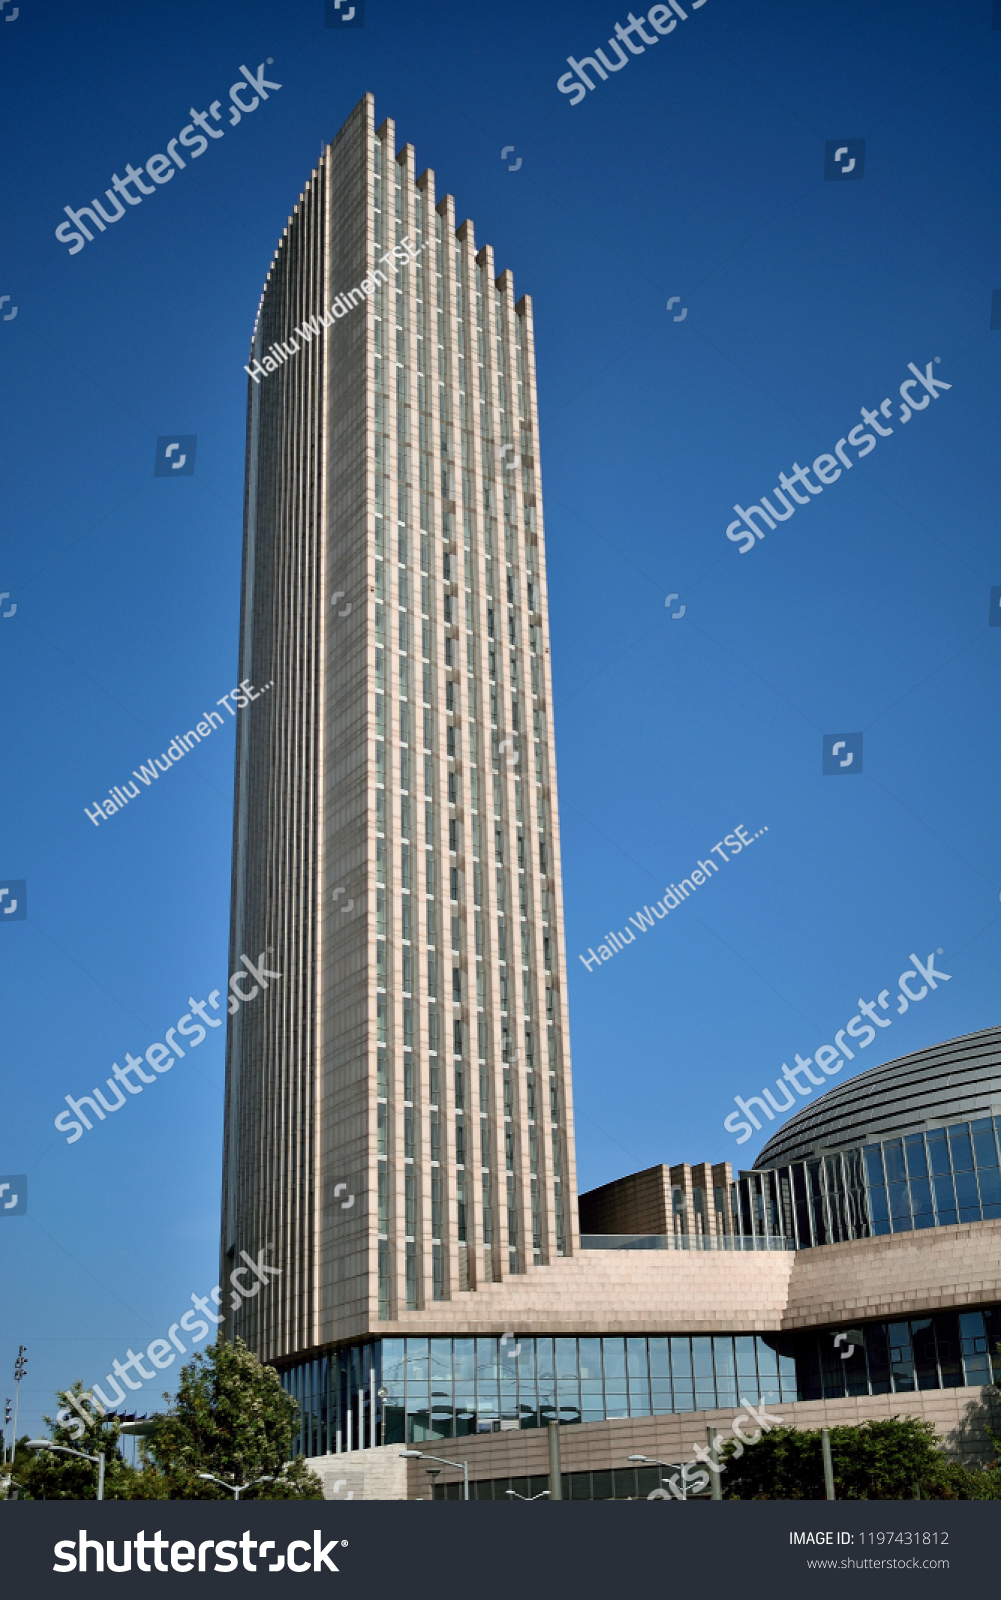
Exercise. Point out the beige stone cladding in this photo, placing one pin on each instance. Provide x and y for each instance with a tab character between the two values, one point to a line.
379	1474
902	1274
399	1112
622	1291
639	1291
961	1418
722	1291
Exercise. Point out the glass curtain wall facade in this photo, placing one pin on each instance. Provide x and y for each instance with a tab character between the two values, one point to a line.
932	1179
445	1388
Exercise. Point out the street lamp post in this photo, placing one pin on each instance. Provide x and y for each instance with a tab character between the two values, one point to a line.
46	1444
20	1367
236	1489
514	1495
463	1466
672	1466
383	1394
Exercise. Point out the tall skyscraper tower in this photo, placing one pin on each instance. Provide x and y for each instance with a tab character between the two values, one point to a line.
398	1114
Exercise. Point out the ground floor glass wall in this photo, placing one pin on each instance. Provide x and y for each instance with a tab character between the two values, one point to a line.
624	1483
447	1388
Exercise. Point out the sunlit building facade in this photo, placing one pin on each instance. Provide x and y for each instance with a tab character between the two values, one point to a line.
399	1124
399	1116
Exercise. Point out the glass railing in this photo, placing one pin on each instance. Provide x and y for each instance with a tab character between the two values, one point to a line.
680	1241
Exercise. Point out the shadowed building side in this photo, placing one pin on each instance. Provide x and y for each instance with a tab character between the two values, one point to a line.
273	1171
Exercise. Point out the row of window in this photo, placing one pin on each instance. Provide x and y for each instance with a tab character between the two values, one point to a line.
446	1388
440	1201
622	1483
932	1179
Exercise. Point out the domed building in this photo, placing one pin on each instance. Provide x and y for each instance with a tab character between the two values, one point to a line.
854	1272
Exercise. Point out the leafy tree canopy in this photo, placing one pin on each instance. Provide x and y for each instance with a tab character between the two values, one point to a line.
50	1475
875	1460
231	1417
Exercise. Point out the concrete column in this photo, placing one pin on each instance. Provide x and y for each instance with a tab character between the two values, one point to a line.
555	1473
825	1445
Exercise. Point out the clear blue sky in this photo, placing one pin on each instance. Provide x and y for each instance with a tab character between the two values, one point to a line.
696	171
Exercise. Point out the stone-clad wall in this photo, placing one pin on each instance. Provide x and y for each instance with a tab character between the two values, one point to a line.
667	1291
899	1275
642	1202
379	1474
959	1416
682	1291
620	1291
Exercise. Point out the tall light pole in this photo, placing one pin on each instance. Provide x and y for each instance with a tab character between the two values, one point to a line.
514	1495
463	1466
237	1489
672	1466
46	1444
20	1368
383	1394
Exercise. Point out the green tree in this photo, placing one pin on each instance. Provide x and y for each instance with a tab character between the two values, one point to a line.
231	1417
50	1475
876	1460
973	1483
